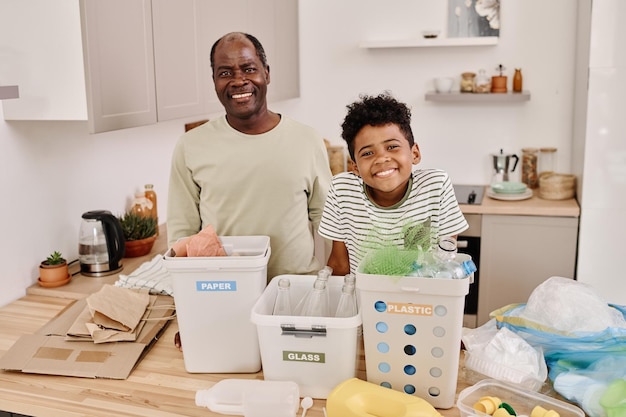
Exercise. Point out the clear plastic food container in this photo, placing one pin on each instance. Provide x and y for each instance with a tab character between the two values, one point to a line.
521	400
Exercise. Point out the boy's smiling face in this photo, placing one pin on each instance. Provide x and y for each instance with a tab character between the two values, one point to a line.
384	160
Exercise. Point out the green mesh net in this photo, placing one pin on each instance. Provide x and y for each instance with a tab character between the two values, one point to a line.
391	260
397	255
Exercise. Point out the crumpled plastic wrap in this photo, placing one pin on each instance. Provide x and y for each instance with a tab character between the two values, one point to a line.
570	306
503	355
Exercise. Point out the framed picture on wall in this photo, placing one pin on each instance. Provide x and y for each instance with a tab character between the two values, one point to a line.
473	18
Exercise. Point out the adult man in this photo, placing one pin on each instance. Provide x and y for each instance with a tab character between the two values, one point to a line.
251	171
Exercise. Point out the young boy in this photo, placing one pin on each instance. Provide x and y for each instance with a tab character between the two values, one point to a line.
384	200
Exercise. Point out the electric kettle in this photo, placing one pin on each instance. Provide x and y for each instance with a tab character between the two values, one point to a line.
501	163
100	244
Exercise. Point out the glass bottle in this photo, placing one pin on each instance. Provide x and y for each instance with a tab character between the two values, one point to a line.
517	80
347	302
141	205
316	302
529	167
547	157
314	293
282	305
150	194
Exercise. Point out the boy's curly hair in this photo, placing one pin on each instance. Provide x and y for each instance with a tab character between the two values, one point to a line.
375	111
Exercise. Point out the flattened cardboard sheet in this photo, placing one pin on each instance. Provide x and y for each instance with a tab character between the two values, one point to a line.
47	351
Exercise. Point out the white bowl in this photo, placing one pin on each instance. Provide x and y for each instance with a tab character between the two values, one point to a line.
443	84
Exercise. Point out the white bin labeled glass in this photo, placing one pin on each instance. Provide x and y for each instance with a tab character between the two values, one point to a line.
412	333
213	297
317	353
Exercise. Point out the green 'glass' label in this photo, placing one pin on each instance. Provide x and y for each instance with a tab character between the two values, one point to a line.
315	357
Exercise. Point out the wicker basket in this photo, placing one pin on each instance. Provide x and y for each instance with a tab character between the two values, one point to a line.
557	186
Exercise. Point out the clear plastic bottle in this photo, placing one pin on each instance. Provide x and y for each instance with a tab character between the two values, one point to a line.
282	305
347	301
441	264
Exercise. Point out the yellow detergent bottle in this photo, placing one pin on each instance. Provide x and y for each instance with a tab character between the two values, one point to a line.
358	398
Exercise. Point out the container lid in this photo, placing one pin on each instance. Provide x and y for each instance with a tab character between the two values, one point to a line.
547	149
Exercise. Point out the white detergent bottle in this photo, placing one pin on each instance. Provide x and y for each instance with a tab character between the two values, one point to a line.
251	398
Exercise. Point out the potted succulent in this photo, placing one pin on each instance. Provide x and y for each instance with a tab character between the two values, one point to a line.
54	271
139	232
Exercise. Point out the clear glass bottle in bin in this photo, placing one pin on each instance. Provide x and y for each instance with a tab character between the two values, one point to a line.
347	301
314	294
530	176
282	305
316	302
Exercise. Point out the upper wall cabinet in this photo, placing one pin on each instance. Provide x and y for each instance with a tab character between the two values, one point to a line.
144	60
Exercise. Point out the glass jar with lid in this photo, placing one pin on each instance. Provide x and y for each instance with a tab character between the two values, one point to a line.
482	83
529	167
547	161
467	82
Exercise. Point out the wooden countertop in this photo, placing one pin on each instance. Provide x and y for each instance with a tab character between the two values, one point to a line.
158	386
533	206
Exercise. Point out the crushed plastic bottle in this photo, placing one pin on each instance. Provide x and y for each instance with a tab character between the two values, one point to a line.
440	263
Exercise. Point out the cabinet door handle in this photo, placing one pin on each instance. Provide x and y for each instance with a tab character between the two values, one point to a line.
462	244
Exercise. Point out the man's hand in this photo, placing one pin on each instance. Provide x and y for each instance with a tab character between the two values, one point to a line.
177	341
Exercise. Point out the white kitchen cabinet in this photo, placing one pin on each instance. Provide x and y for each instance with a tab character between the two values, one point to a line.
144	60
119	63
520	252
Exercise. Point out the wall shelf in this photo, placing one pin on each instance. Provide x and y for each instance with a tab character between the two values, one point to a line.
9	91
457	97
425	43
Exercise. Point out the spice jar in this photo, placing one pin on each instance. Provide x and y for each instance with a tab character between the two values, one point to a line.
529	167
547	160
482	83
467	82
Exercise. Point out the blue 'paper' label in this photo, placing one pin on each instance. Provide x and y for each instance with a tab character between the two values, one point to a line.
216	285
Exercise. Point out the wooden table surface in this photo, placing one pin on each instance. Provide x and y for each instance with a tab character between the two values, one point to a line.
159	386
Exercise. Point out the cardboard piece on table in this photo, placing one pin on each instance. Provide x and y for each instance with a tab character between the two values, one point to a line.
47	351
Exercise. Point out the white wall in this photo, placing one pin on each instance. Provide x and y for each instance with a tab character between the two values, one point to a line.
52	172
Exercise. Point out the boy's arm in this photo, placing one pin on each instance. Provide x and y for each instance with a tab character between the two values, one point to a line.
338	259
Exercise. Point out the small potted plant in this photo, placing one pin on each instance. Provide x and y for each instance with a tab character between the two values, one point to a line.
54	271
139	232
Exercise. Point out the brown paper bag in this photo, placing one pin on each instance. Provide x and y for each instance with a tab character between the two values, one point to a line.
118	308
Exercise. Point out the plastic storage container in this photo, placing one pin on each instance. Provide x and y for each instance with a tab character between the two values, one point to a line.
412	333
317	353
522	401
214	296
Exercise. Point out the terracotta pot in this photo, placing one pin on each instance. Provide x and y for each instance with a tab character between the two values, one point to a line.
498	84
53	275
135	248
